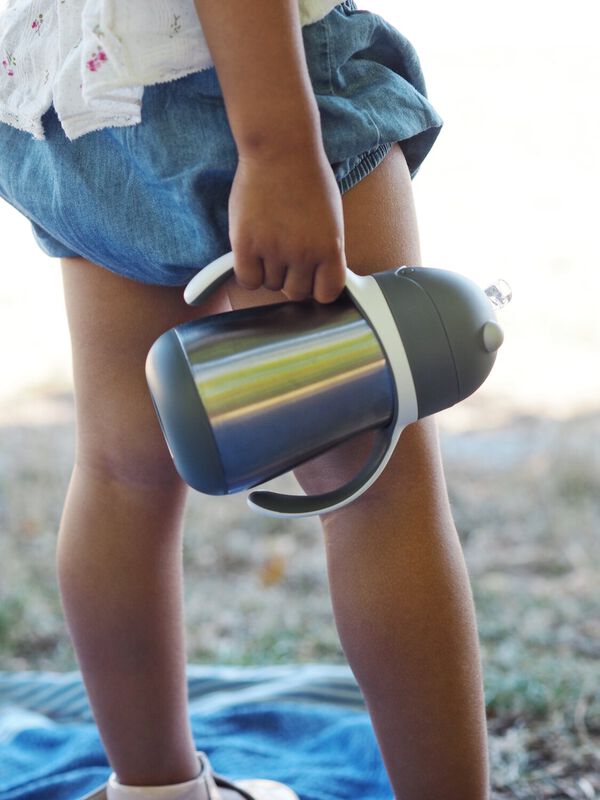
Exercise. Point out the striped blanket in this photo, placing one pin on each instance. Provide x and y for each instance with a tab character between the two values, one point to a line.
304	725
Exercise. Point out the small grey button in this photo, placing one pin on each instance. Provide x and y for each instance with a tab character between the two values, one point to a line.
492	336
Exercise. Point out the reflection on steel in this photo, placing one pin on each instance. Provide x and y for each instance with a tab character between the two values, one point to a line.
293	379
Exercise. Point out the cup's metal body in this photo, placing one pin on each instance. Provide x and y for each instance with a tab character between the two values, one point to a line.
246	396
283	383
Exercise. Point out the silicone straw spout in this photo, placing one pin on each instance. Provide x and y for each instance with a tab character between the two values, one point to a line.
499	293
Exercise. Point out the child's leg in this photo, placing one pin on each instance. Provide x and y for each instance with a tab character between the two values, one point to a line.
119	553
399	586
404	613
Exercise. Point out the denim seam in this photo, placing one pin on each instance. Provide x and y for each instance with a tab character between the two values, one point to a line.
374	124
328	56
367	164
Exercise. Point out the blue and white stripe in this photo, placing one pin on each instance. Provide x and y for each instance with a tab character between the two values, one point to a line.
61	696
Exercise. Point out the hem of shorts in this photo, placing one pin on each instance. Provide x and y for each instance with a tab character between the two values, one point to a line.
367	164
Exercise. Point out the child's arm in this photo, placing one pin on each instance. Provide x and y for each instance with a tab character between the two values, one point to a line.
285	211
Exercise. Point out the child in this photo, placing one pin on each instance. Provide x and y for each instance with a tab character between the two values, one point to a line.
295	148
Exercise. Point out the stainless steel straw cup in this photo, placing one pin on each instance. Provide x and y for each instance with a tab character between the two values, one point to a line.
248	395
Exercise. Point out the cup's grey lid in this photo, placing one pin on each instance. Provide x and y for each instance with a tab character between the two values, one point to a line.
449	330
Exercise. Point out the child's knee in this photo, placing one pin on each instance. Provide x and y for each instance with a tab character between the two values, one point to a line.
119	435
412	485
127	461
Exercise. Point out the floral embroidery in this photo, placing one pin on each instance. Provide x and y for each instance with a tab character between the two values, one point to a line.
175	26
8	63
97	58
37	23
94	63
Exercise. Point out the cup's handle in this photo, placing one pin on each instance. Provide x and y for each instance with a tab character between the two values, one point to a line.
274	504
208	279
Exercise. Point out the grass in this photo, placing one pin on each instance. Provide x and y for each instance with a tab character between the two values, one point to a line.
526	500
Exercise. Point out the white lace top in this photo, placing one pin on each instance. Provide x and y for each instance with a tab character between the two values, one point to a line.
92	58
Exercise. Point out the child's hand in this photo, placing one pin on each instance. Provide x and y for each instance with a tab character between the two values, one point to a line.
286	224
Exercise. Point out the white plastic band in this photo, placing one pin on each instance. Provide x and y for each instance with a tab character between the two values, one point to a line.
369	297
208	279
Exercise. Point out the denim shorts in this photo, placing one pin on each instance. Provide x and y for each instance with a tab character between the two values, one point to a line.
149	201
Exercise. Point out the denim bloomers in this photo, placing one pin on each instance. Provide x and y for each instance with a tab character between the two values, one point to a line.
150	201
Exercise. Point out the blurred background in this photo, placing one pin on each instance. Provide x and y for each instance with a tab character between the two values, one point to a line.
510	190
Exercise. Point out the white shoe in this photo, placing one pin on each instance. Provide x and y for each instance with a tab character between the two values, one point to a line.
218	788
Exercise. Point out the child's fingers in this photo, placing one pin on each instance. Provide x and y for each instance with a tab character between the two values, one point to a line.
249	270
274	274
330	279
299	283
